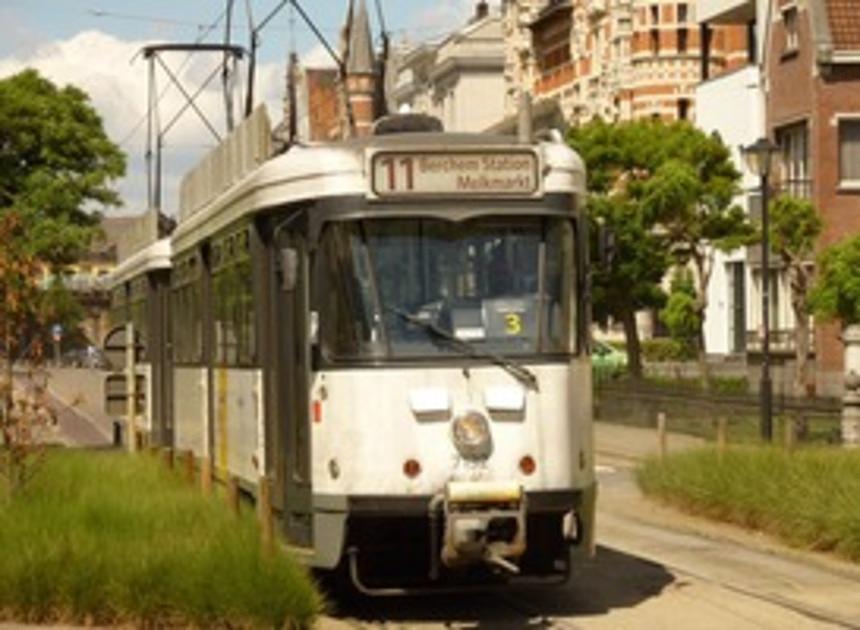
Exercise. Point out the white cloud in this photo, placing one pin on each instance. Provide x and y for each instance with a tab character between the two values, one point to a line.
101	65
442	17
317	57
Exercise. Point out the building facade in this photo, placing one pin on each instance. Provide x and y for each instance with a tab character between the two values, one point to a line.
613	59
801	89
816	44
450	78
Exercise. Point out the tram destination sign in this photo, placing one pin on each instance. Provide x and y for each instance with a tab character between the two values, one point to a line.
508	173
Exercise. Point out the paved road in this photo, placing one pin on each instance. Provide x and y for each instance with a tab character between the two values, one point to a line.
655	568
71	395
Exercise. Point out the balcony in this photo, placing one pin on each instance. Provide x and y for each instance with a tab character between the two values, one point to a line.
781	341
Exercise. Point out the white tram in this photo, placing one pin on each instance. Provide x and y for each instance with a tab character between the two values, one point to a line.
395	330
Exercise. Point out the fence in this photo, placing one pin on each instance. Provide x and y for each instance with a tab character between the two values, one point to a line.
697	412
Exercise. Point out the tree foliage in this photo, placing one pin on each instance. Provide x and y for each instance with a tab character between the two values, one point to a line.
680	314
836	294
56	165
666	191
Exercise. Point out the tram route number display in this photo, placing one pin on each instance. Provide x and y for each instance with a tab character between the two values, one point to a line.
510	173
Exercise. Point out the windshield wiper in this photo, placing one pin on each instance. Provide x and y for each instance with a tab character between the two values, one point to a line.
520	372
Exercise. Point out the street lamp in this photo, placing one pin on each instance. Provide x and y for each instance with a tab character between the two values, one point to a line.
759	158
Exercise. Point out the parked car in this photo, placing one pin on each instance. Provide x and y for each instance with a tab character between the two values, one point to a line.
607	361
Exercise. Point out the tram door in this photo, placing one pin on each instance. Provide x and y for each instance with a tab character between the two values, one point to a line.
293	359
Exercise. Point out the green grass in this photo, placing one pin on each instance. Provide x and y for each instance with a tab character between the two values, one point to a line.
809	498
112	538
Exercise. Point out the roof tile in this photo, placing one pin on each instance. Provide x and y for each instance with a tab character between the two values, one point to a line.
844	19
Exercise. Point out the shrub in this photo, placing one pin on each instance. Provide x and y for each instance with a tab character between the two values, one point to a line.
661	349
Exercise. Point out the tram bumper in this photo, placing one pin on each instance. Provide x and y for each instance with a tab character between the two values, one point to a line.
484	522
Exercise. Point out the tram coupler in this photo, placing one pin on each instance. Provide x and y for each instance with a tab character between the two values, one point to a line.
484	522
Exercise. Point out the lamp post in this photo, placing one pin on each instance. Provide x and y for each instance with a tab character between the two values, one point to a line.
759	157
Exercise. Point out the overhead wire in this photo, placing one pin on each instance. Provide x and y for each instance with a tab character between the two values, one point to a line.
206	31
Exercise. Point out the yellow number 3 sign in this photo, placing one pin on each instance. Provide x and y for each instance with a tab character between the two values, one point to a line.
513	323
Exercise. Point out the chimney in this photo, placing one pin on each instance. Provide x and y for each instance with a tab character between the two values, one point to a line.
482	10
361	72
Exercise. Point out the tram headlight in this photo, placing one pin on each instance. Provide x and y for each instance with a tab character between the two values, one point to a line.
471	435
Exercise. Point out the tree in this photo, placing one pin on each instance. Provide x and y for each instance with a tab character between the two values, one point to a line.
56	164
836	292
794	230
666	189
617	158
690	198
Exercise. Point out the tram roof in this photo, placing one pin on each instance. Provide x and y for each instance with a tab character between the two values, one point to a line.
151	258
314	171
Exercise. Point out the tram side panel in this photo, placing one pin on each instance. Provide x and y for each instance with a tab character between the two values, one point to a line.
191	409
238	425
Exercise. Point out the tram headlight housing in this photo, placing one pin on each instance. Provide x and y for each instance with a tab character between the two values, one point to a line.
471	435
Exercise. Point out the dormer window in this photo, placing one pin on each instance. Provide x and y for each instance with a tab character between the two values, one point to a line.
789	25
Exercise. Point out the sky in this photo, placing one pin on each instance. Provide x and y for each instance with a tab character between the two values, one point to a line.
95	45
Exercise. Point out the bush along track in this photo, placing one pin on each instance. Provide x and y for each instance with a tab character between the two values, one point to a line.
809	498
107	538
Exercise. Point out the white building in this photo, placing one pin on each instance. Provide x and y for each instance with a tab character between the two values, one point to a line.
732	105
459	80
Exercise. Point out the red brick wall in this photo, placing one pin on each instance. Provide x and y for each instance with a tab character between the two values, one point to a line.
322	104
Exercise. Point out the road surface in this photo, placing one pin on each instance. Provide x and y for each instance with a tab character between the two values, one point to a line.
654	568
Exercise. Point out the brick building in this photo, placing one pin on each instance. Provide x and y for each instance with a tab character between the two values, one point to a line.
811	63
321	94
617	59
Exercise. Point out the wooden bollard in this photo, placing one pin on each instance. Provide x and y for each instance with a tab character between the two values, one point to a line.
206	475
167	456
661	435
188	466
264	511
233	494
722	435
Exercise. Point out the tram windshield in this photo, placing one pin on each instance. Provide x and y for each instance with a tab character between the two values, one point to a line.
503	285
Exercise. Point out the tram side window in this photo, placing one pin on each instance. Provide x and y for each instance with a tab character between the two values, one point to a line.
138	308
187	312
118	304
233	301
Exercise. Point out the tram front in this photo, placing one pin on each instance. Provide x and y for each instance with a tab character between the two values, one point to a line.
451	388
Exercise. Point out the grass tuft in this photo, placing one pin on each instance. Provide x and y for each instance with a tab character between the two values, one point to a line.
810	498
110	538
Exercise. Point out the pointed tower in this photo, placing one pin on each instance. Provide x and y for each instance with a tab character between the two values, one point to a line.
361	71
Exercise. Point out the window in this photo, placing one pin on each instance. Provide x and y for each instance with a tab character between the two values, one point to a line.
794	152
233	300
655	41
789	24
655	14
186	297
683	108
138	311
682	14
849	151
504	285
118	306
682	40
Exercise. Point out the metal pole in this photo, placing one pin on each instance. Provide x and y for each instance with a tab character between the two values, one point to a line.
130	388
766	385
